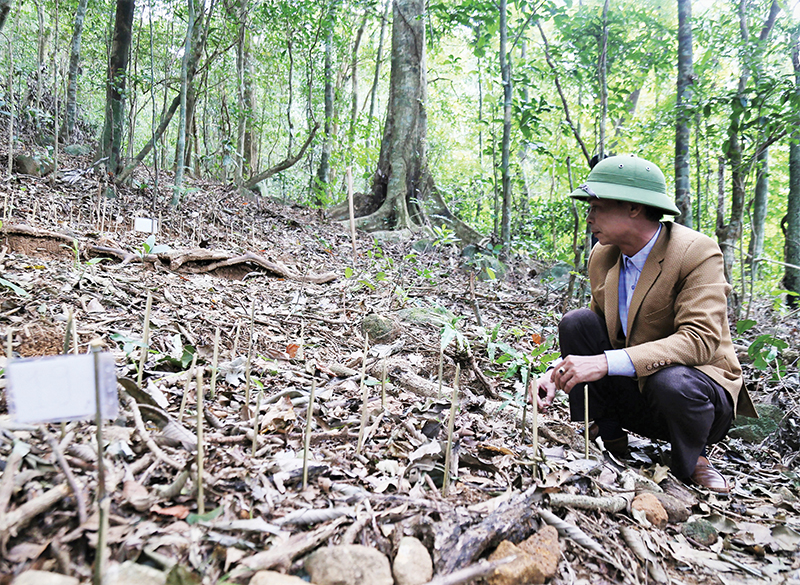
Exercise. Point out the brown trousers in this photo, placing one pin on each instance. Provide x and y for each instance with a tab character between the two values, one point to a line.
678	404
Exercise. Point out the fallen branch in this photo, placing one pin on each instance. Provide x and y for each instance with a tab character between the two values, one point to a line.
609	505
471	573
151	444
289	161
12	521
73	483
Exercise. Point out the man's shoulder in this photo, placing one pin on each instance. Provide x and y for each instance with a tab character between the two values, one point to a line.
680	236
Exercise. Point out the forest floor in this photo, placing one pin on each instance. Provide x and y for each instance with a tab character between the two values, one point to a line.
282	286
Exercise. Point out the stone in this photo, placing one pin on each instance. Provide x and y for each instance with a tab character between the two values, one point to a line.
380	329
412	563
655	513
545	549
78	149
26	165
130	573
678	511
537	559
755	430
43	578
273	578
701	530
351	564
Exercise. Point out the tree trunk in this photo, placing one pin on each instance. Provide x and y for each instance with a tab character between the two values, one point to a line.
111	142
378	59
505	70
756	247
244	70
682	180
728	234
323	171
71	106
351	132
5	8
791	254
198	46
602	70
180	148
402	183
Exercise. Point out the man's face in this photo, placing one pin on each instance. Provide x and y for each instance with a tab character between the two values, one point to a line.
609	220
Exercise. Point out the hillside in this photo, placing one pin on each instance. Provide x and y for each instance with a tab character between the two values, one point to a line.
291	303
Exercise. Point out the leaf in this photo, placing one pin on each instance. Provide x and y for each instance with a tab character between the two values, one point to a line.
180	512
536	338
14	287
448	335
744	325
348	272
207	517
291	349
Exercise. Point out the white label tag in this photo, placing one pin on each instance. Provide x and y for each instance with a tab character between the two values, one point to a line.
146	225
61	388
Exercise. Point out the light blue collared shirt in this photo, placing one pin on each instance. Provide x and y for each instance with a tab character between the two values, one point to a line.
619	363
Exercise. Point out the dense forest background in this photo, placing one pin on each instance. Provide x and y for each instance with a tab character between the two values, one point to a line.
292	98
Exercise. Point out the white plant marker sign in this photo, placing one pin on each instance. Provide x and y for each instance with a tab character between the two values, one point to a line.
61	388
145	224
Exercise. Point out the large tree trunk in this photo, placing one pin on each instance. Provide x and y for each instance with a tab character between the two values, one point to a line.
113	130
404	195
180	147
376	77
682	180
244	70
505	71
323	171
791	256
759	211
71	107
5	8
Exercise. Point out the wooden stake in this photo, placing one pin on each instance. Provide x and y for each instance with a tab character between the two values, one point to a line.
441	366
451	424
536	421
236	340
189	374
249	356
256	422
364	396
351	208
586	420
145	339
309	421
383	383
103	502
201	504
214	362
68	333
9	344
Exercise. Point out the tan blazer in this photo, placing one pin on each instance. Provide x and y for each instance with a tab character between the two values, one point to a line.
678	313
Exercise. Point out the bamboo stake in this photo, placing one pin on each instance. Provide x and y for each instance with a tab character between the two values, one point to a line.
256	422
145	339
441	365
364	396
103	502
201	504
383	383
68	333
535	422
214	362
309	420
450	427
351	206
586	421
9	344
249	357
236	340
189	374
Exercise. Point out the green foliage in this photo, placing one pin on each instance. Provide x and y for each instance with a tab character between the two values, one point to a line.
149	247
764	349
16	289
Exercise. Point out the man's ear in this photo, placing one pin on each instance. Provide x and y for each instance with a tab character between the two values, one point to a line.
635	210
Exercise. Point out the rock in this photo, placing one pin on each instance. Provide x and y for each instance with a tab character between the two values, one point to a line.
130	573
26	165
43	578
655	513
392	236
701	530
677	511
78	149
380	329
755	430
412	563
273	578
537	559
352	564
544	548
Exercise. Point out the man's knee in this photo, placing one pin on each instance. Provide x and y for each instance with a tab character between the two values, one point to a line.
671	389
576	322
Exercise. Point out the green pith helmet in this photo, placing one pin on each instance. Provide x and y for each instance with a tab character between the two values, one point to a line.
627	178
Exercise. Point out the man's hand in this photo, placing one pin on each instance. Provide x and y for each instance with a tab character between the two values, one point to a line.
578	369
543	389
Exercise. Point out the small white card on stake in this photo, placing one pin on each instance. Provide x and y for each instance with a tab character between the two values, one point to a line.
61	388
146	225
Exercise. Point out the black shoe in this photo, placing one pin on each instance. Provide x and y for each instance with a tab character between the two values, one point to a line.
618	446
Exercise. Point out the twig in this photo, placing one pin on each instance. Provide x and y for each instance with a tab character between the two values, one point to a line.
151	444
586	421
351	211
249	360
214	362
473	572
73	483
609	505
256	422
26	512
571	531
364	396
12	466
189	373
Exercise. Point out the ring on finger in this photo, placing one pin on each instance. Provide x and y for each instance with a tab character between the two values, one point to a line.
561	371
